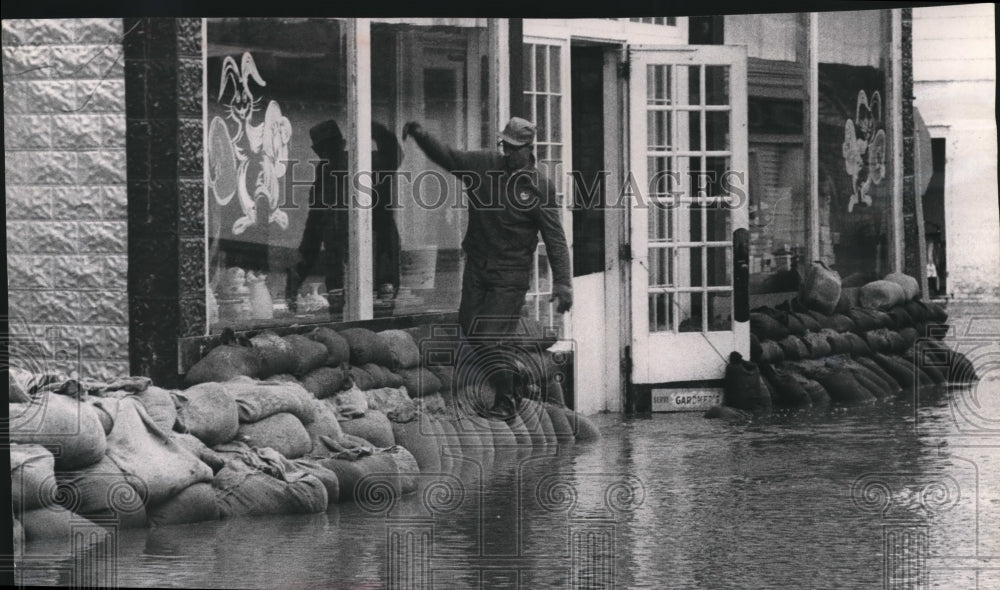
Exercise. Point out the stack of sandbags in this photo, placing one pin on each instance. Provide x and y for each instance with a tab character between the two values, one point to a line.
224	362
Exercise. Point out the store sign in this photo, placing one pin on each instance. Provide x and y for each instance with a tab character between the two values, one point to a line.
686	399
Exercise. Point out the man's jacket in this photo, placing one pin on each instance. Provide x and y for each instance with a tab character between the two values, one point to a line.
507	210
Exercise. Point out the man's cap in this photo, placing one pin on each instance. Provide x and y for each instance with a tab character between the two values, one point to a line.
518	132
326	131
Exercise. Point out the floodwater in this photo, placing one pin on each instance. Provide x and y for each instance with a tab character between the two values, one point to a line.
903	495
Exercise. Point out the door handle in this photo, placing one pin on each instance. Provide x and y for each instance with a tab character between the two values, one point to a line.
741	275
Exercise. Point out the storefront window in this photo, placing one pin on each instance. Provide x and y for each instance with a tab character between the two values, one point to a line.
855	163
435	73
776	110
275	141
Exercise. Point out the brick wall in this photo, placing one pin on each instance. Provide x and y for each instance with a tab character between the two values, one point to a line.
64	146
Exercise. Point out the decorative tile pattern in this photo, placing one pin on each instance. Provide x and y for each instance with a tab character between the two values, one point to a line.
64	140
191	193
192	267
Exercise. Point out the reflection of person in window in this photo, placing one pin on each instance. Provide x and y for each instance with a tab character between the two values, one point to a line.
510	202
326	224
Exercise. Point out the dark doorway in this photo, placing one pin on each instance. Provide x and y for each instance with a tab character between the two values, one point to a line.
587	81
934	226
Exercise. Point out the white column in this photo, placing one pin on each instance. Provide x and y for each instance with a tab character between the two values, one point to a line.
358	288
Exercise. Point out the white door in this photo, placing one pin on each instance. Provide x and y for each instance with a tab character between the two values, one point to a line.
688	160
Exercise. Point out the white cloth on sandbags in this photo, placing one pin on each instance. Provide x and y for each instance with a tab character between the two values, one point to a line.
393	402
145	452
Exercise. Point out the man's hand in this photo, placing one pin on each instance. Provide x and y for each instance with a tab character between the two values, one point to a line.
410	128
565	296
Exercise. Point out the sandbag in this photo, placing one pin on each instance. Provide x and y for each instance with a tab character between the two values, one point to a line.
821	319
337	349
902	372
900	319
842	323
907	337
820	288
771	352
68	428
244	490
403	351
880	387
145	452
755	350
104	490
257	400
200	450
445	375
366	347
547	428
793	323
374	427
208	412
520	430
846	301
529	413
224	362
720	412
817	344
380	466
106	408
879	340
276	353
382	377
961	369
553	393
807	321
32	477
324	381
407	468
839	344
196	503
881	295
936	374
282	432
863	320
741	388
422	437
936	312
56	522
360	378
586	431
766	327
858	345
450	446
326	476
844	389
283	378
560	425
419	382
788	390
876	368
477	445
910	286
308	353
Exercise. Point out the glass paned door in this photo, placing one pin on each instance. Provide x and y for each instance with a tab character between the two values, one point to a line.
688	153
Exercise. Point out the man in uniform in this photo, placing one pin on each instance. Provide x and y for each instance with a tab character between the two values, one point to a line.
510	202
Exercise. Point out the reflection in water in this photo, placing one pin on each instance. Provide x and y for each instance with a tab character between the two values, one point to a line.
668	501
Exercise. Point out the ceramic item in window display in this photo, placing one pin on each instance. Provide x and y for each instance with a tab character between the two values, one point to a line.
261	305
313	301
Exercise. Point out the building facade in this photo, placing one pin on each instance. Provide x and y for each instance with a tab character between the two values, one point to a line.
702	163
954	82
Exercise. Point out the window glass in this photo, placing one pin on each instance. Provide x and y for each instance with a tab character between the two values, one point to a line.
855	163
776	110
543	106
276	97
435	73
